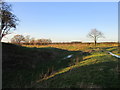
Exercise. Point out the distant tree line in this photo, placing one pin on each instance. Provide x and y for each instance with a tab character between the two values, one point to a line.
27	40
77	42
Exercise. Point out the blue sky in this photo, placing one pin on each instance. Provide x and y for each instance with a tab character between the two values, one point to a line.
66	21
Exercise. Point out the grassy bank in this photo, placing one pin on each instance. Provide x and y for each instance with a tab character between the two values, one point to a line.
98	70
45	66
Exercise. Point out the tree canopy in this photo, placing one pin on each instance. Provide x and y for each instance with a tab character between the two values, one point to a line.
17	39
8	20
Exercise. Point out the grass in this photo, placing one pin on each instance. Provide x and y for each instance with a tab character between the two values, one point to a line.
96	72
26	65
44	66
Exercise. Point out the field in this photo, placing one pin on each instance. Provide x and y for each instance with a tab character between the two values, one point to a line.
45	66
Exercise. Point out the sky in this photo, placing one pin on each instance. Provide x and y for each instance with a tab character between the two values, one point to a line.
66	21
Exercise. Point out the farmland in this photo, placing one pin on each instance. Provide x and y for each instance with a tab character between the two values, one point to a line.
45	66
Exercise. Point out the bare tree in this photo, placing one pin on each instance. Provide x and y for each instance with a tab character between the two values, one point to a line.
32	41
27	39
95	34
43	41
39	41
17	39
7	18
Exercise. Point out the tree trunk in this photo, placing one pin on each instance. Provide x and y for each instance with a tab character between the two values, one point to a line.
95	42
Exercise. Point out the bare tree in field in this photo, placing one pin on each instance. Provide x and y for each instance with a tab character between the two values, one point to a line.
32	41
43	41
17	39
27	39
95	34
7	18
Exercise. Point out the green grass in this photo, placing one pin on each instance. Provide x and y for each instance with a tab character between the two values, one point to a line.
36	67
97	72
22	66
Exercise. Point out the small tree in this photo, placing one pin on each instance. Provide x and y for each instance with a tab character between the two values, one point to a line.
95	34
32	41
17	39
27	39
43	41
7	18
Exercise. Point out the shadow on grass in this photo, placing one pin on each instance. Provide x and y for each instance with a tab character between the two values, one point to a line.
100	75
22	66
